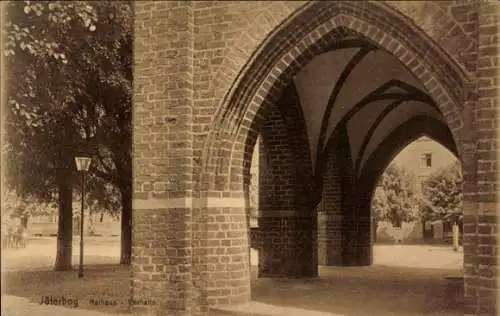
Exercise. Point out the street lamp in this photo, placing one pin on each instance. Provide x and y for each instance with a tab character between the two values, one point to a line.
82	165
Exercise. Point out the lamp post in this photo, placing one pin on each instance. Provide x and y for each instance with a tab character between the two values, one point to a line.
82	165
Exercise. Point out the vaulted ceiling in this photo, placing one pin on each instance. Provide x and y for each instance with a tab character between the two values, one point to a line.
363	87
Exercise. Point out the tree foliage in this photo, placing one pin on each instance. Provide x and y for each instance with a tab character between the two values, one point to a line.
69	67
254	194
443	193
41	88
69	64
380	204
100	196
395	196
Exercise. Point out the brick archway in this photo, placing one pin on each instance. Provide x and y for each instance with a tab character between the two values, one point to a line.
191	147
312	31
317	28
345	215
260	29
398	139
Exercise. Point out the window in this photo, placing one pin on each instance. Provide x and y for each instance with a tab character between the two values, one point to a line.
426	160
447	227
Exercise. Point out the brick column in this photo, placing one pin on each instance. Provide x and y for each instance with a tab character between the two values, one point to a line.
481	208
361	223
344	222
287	221
330	213
356	223
287	247
161	268
221	266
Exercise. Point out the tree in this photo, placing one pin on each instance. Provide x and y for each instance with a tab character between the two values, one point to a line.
443	193
254	195
101	195
396	198
13	206
106	106
42	87
74	59
380	204
380	207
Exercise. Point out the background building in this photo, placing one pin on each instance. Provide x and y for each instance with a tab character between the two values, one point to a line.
423	157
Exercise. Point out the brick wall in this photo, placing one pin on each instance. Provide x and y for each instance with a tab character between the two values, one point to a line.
162	252
228	32
481	189
451	24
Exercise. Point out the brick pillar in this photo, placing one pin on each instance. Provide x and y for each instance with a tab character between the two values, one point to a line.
344	221
287	221
330	212
161	267
481	192
356	221
287	247
364	227
220	251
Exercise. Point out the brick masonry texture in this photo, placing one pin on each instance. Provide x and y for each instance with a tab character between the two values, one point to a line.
286	223
344	230
330	213
207	74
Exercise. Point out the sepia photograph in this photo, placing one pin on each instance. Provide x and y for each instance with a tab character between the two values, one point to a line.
250	158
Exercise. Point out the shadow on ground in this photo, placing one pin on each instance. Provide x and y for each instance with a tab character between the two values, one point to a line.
376	290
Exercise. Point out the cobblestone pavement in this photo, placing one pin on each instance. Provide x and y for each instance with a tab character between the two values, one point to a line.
397	284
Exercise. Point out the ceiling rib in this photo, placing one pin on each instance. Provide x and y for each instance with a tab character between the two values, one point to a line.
377	95
358	57
372	129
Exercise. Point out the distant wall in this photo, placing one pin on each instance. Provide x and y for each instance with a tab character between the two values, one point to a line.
409	233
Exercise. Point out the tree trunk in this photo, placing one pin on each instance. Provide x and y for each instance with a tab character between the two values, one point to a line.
126	224
24	221
65	222
455	236
424	230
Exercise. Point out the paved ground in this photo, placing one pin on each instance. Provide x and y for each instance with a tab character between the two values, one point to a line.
40	253
405	280
418	256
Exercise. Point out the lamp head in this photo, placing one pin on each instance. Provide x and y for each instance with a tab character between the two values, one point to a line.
83	163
